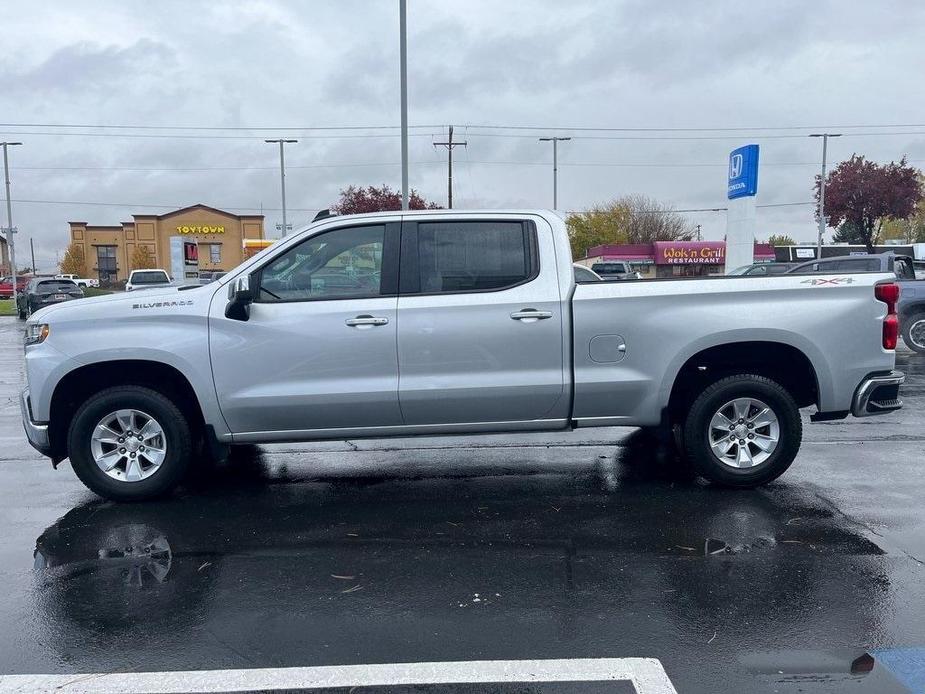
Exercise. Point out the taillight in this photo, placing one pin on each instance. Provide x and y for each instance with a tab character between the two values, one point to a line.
890	331
889	294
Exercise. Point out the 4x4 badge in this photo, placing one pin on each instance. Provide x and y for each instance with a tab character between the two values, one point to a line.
835	280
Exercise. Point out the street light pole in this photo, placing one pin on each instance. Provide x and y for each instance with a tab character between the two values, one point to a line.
9	216
282	178
555	167
820	212
403	60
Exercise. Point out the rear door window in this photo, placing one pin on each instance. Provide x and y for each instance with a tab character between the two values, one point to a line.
463	256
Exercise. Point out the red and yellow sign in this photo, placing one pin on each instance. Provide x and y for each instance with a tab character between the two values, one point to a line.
690	252
200	229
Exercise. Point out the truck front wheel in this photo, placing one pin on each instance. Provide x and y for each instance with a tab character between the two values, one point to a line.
129	443
742	431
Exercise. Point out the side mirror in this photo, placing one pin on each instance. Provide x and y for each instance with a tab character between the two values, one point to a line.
240	297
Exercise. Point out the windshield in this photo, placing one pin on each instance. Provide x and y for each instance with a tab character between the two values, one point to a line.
740	270
149	277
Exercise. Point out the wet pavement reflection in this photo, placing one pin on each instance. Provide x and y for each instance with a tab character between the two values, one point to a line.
278	565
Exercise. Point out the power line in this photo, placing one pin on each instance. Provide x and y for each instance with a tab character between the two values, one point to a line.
218	127
688	137
484	126
160	207
201	137
196	169
315	209
688	129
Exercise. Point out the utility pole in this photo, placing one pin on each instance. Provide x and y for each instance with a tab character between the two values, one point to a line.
10	230
32	249
555	167
403	60
449	144
699	237
282	179
820	212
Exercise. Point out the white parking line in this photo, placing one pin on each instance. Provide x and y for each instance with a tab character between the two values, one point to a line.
646	674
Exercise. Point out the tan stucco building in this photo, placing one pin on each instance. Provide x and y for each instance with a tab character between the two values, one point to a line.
108	249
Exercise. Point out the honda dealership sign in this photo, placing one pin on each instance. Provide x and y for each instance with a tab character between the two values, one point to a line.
743	172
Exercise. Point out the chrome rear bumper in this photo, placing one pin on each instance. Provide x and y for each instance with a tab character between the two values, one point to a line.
878	394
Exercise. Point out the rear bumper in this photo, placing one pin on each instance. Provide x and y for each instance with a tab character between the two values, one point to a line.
878	394
36	433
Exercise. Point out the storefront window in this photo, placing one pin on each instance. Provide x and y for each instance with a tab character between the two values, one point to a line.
215	253
106	264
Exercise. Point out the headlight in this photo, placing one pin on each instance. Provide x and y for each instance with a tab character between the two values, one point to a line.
36	333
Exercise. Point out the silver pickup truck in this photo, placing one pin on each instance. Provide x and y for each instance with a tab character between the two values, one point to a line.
449	322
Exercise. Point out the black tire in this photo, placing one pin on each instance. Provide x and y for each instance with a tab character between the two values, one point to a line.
176	431
697	423
914	342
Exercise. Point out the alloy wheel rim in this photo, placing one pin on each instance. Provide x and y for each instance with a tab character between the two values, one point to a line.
743	433
128	445
917	333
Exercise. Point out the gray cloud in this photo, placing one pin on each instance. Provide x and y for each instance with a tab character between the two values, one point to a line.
271	62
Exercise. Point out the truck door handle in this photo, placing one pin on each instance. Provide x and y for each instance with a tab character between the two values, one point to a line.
366	321
531	314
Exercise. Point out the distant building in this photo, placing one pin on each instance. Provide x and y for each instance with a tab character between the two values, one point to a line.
4	257
108	249
672	258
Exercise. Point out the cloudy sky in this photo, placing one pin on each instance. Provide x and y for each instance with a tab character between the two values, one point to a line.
737	72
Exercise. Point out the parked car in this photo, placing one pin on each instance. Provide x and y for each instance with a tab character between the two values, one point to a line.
79	281
761	269
583	274
615	270
147	279
45	291
481	315
207	276
6	285
911	304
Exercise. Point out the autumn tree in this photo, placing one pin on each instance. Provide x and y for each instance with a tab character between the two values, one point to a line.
629	219
861	195
74	262
781	240
360	200
142	258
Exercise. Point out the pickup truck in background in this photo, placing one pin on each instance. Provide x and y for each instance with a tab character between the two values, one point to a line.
615	270
79	281
448	322
911	304
147	279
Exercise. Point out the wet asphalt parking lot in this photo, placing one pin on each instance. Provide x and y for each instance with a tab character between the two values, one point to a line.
562	546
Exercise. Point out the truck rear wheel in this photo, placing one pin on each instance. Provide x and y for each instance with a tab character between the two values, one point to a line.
742	431
129	443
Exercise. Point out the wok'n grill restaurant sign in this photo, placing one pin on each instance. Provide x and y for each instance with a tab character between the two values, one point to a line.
690	252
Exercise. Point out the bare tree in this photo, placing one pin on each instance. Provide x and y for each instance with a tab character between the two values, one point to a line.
651	220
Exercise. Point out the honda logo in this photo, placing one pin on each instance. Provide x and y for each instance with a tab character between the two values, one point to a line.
736	162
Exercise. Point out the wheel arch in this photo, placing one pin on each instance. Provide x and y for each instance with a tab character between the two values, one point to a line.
81	383
781	362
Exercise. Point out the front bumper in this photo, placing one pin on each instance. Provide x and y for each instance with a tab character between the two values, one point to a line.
878	394
36	433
